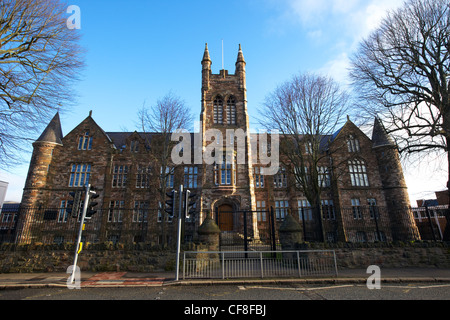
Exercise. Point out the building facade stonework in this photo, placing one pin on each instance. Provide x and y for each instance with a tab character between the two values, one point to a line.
367	202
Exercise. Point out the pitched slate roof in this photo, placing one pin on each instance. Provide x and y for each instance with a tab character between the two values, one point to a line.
119	138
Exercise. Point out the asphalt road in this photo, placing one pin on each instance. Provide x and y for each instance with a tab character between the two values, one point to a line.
416	291
230	301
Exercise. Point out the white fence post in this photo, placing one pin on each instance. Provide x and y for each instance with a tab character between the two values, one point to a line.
261	260
223	265
335	263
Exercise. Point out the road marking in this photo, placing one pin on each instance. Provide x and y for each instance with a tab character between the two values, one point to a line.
417	287
295	289
407	287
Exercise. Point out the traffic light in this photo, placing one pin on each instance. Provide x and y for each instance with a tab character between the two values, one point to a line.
170	203
190	201
73	206
91	210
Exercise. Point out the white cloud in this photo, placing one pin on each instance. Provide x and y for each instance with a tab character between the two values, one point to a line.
354	18
313	11
307	10
315	34
369	17
337	68
344	6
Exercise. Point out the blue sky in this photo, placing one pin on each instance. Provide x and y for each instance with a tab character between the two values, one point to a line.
137	51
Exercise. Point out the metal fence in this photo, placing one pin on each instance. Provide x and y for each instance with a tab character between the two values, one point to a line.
258	264
118	225
141	224
375	223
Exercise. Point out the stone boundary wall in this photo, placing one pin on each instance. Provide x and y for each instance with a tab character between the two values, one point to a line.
145	258
415	254
93	257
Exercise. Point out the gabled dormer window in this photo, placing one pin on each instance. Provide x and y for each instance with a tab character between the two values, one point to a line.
134	146
308	147
85	141
353	144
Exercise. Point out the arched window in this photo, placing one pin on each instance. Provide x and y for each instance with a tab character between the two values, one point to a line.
218	110
85	141
358	173
231	111
352	144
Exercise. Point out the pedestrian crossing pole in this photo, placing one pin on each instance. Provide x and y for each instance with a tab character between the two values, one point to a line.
79	245
180	220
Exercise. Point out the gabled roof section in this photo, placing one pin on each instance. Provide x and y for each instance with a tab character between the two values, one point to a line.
90	121
347	123
379	135
53	132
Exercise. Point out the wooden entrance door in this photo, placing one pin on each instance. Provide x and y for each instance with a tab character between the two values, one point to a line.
225	217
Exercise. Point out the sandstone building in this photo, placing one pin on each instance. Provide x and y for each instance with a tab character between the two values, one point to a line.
367	203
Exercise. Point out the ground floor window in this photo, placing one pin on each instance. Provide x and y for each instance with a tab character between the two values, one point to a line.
304	210
140	211
115	211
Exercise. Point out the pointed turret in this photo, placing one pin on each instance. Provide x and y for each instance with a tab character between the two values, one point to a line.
240	58
44	149
379	135
206	68
53	132
394	185
206	56
240	68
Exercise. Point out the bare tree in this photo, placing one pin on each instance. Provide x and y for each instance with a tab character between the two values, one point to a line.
307	111
401	73
161	120
40	59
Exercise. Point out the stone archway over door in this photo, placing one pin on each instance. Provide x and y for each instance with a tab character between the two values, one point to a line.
225	218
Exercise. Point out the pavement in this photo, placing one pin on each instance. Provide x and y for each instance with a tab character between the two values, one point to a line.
134	279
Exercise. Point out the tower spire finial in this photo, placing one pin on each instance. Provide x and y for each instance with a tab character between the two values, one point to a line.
206	54
240	68
206	68
240	57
